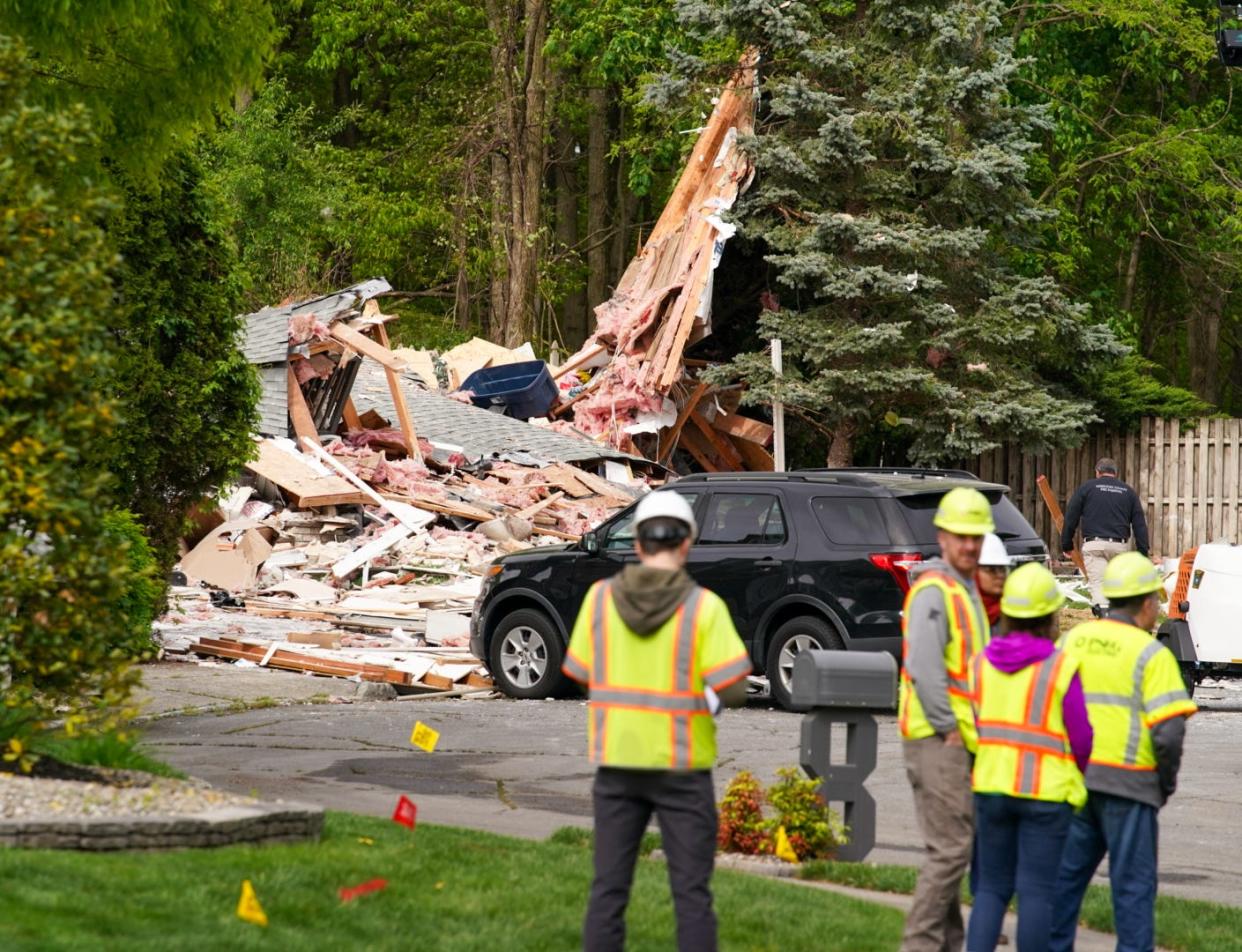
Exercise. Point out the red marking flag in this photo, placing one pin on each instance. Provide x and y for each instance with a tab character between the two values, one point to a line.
406	813
349	893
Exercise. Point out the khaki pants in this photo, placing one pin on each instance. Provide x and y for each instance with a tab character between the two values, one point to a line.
1095	558
940	777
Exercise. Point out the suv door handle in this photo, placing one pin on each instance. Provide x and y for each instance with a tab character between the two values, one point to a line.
768	562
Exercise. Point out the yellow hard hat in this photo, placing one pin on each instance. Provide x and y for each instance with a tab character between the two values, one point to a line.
1031	592
964	511
1130	573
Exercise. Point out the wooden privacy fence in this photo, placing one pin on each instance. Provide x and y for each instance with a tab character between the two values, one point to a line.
1187	476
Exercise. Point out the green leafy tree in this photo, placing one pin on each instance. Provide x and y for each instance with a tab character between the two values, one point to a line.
1143	163
62	582
891	194
186	395
151	73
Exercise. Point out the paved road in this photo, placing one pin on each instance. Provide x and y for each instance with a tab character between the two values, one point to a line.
519	767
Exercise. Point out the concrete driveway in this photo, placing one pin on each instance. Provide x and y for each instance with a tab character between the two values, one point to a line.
520	768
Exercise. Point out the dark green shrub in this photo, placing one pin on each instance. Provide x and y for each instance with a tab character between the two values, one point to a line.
61	582
140	604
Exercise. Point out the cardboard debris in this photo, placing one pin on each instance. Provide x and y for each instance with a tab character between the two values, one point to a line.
230	555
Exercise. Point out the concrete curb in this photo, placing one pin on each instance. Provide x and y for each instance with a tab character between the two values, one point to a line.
223	826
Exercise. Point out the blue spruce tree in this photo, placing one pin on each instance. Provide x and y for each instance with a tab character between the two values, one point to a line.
891	199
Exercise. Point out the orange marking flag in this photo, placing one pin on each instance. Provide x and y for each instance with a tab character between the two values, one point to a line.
248	908
424	737
349	893
406	813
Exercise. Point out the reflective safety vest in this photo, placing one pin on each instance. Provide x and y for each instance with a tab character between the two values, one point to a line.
1024	748
968	634
1132	682
647	707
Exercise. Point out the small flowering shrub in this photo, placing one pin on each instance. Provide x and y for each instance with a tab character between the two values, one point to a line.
814	830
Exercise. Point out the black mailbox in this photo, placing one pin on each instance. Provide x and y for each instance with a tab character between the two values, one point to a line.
842	688
864	680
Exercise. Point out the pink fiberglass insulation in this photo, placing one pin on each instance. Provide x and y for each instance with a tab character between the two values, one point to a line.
305	327
407	476
620	396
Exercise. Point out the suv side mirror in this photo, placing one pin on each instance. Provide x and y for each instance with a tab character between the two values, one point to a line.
590	542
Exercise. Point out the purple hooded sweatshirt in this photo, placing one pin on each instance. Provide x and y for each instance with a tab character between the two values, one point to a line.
1017	650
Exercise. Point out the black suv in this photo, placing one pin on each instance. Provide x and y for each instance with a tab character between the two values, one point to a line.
808	559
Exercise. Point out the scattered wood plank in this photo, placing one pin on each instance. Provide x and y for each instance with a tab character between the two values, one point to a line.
306	487
530	511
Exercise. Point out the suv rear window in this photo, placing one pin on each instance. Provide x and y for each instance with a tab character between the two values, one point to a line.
743	519
920	510
851	520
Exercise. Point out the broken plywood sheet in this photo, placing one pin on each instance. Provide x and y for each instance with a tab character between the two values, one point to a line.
229	557
477	353
307	484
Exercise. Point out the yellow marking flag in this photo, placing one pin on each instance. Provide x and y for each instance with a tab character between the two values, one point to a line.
248	908
783	848
424	737
366	841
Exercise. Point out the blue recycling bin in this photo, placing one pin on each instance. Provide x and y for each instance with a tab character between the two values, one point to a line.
524	389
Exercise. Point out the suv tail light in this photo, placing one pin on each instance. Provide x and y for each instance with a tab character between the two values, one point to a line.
898	565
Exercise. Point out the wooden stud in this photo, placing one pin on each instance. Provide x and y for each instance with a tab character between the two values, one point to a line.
398	399
350	415
376	350
299	412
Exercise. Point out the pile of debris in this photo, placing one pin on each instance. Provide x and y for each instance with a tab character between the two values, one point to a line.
631	383
355	547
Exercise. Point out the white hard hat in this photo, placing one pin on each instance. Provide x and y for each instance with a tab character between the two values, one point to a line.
994	552
665	504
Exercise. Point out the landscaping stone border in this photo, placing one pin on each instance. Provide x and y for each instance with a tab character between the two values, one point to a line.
762	865
221	826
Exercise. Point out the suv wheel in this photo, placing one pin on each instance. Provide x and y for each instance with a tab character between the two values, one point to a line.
525	655
797	634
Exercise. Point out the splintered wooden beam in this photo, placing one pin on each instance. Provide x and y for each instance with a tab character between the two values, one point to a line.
674	435
743	428
697	446
356	340
1058	520
299	412
724	449
398	398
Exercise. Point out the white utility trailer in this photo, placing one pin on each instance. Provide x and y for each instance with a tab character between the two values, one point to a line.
1204	628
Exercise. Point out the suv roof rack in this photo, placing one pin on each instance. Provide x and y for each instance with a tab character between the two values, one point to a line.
916	471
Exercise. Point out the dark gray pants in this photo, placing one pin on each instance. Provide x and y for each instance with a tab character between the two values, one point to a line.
685	806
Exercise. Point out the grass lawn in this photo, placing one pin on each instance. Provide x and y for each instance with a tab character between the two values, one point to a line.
1186	925
448	888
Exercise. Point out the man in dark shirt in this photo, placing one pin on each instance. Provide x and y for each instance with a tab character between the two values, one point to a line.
1108	510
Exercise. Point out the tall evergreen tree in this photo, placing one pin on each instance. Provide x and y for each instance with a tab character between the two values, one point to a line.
891	196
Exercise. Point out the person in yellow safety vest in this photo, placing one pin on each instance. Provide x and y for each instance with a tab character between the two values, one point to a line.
943	626
1138	706
1034	741
659	655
